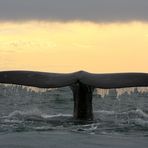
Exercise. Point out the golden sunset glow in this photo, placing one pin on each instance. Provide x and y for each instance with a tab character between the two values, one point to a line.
71	46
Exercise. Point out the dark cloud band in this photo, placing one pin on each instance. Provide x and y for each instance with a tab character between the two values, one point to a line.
69	10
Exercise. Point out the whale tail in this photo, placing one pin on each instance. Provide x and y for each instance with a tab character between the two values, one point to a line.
82	84
55	80
37	79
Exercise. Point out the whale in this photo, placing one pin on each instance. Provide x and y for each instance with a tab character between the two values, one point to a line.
82	84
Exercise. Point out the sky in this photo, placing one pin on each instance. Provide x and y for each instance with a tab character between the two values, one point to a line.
103	36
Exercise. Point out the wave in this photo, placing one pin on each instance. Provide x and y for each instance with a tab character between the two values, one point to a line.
105	122
137	112
34	115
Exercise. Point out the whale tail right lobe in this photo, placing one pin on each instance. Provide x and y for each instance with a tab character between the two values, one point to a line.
115	80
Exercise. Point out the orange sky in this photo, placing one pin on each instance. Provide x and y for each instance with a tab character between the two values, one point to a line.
72	46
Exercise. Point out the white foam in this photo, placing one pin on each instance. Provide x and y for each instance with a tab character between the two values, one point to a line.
57	115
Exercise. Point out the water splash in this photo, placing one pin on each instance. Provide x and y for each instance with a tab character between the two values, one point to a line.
27	88
131	90
102	92
120	91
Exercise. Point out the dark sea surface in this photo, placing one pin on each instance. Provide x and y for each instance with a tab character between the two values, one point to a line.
34	118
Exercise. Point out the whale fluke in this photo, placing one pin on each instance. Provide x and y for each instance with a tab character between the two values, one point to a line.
37	79
82	84
114	80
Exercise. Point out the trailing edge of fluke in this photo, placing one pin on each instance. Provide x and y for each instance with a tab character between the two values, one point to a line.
55	80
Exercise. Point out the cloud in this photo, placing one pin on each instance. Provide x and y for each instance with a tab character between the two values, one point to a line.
70	10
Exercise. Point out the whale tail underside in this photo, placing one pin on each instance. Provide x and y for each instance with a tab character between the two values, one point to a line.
55	80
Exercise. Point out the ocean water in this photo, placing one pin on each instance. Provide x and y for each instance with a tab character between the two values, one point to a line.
32	117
